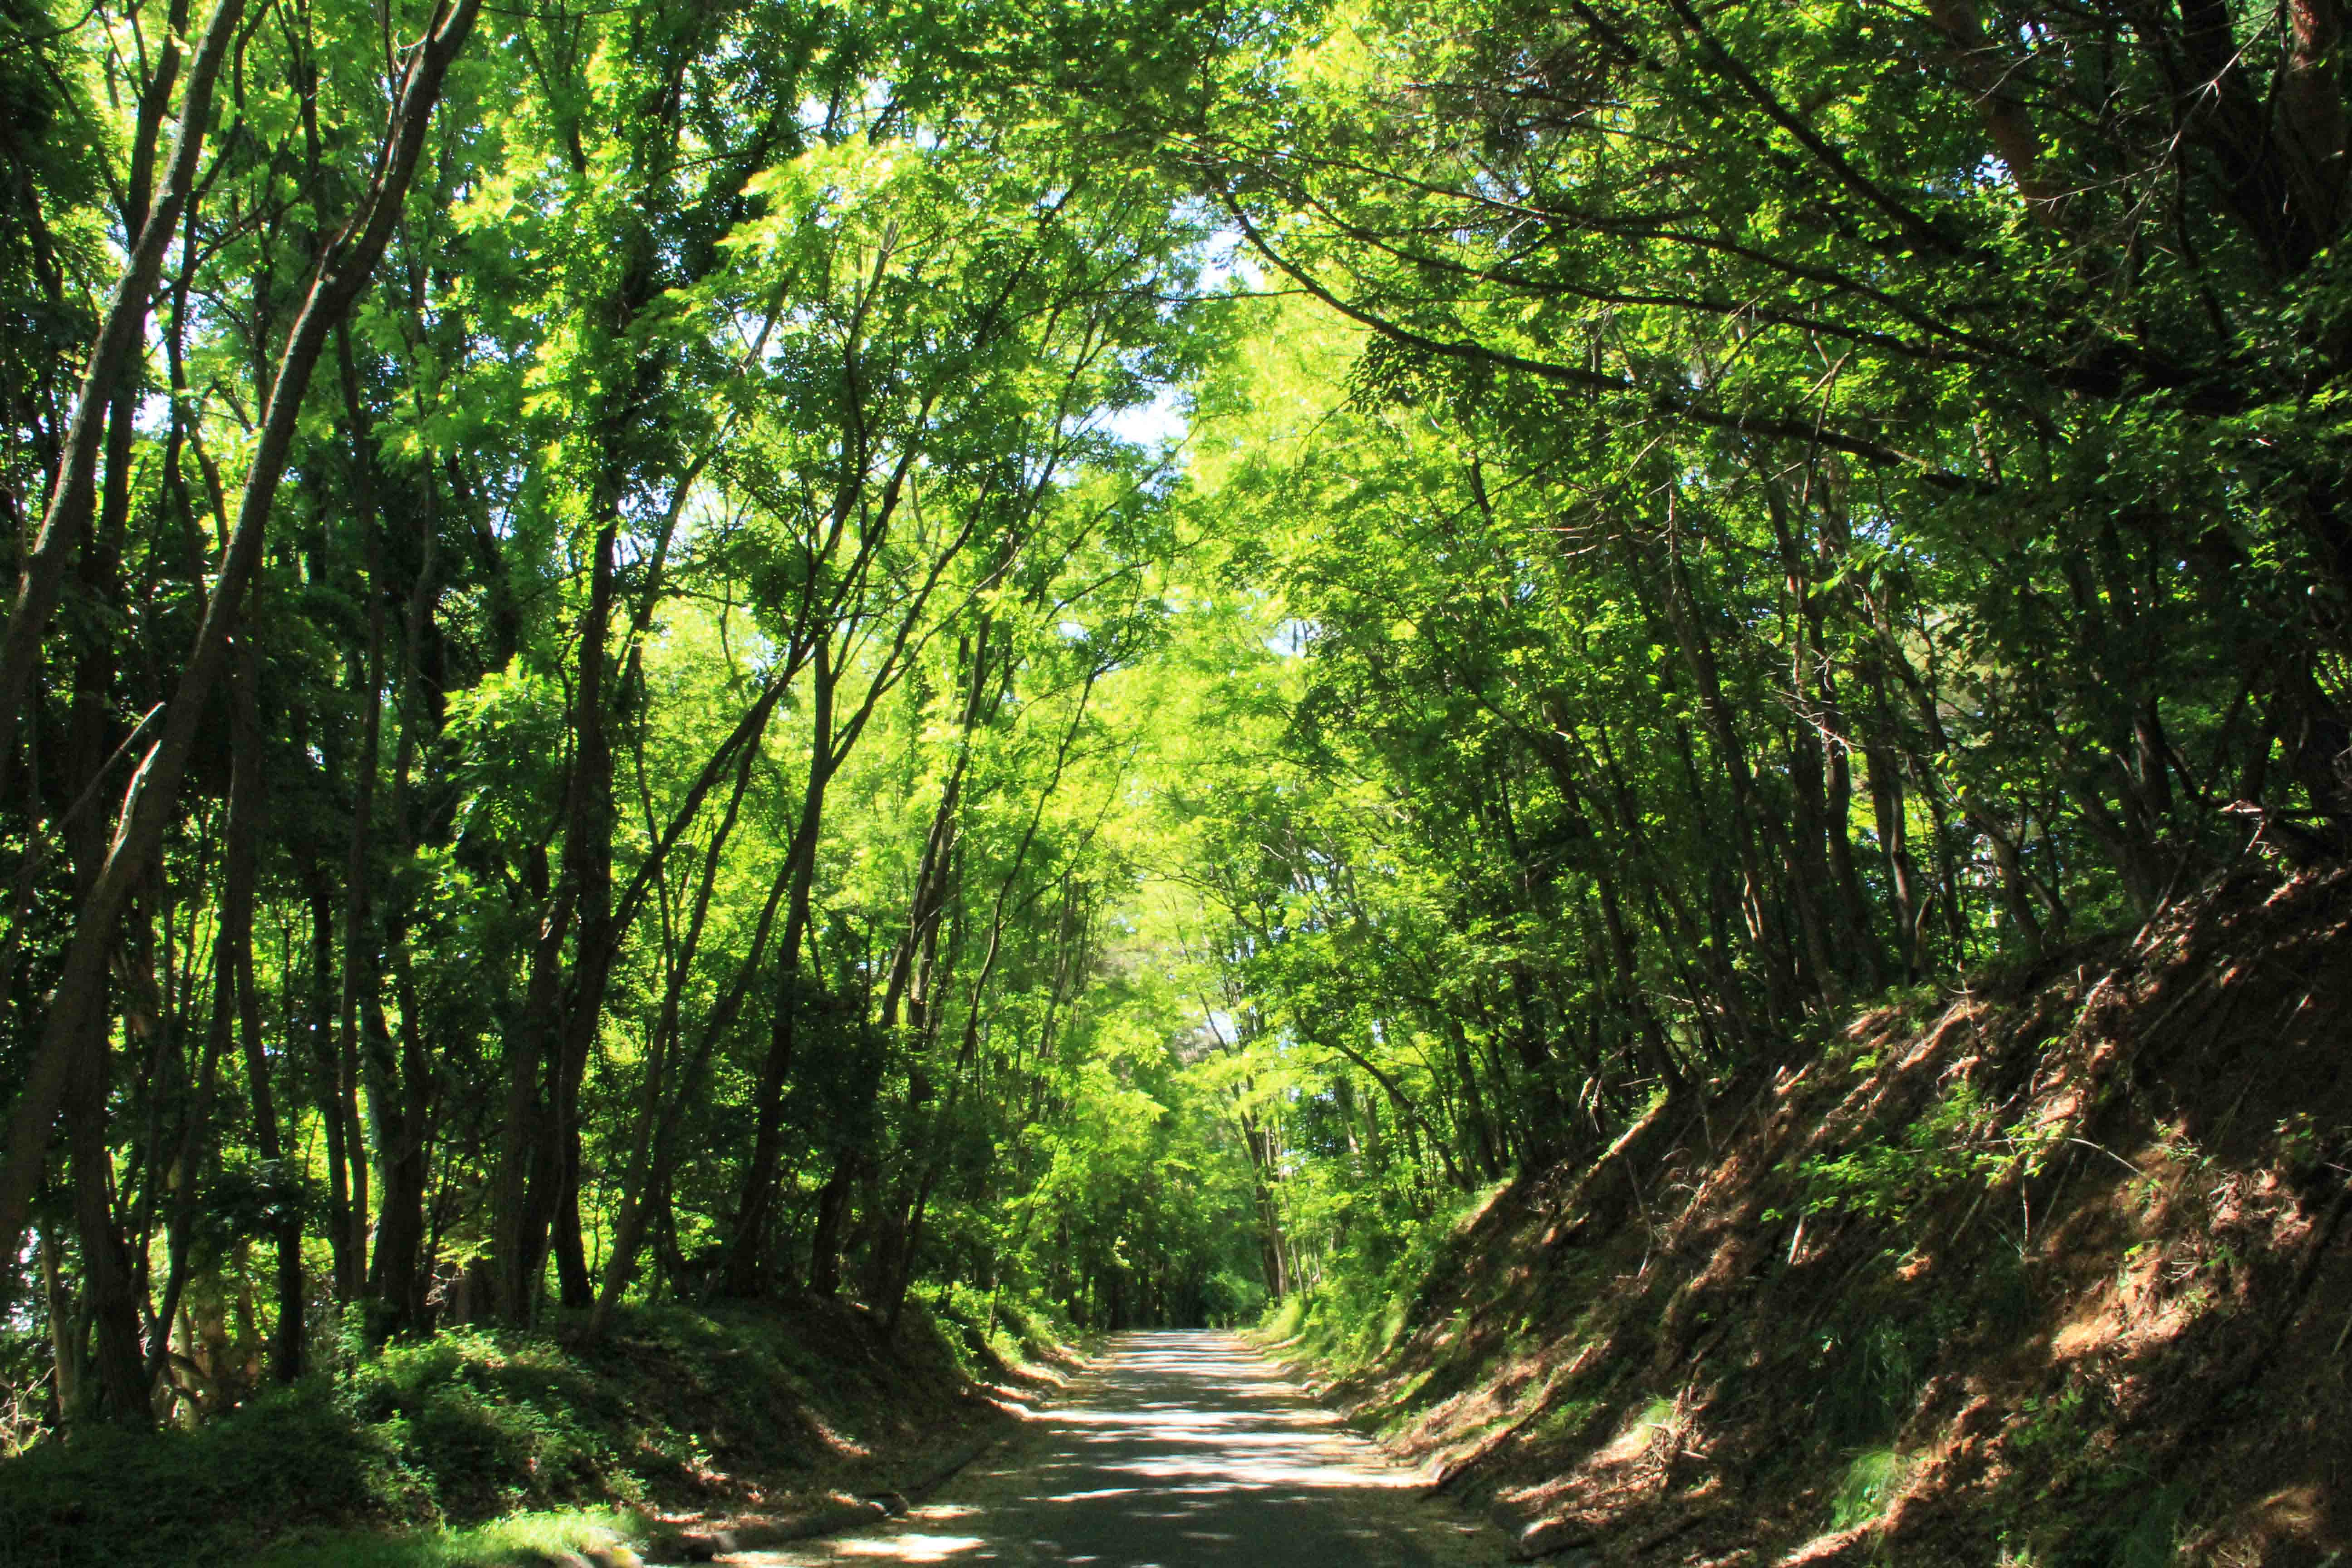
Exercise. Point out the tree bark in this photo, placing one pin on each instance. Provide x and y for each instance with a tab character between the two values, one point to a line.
832	1217
747	1239
119	340
232	1001
358	971
1987	77
110	1293
78	1003
66	1327
588	876
247	784
652	1142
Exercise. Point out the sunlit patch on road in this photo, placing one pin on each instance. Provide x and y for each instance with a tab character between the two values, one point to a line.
911	1546
1178	1451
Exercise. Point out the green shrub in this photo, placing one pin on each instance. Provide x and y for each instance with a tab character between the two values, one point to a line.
1870	1484
987	1332
1031	1327
1870	1373
1285	1319
428	1438
492	1421
1889	1178
520	1538
2134	1524
454	1428
295	1455
966	1321
1229	1299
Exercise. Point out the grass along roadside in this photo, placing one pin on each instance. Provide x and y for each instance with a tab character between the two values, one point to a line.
478	1447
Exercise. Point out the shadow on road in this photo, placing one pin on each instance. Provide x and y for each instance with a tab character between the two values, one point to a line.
1179	1450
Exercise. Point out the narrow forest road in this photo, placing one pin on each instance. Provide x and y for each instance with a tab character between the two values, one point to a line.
1175	1450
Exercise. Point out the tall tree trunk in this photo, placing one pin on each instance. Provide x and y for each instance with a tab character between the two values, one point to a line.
1883	764
120	338
358	973
832	1219
111	1280
395	1264
939	843
1551	747
588	873
1698	656
1856	915
517	1235
1809	866
1274	1259
747	1243
68	1327
402	1240
247	784
110	1285
108	1281
648	1168
73	1028
2014	891
232	1003
326	1076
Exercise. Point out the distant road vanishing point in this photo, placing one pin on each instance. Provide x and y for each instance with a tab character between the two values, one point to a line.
1175	1450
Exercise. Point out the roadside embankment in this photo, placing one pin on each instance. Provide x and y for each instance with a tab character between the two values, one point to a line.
2051	1269
475	1448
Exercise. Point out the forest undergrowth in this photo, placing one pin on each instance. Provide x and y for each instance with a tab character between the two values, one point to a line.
488	1448
2035	1270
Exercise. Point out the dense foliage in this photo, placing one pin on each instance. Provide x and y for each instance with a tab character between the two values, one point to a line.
1086	654
1776	503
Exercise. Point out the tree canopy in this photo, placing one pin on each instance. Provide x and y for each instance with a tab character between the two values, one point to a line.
1094	655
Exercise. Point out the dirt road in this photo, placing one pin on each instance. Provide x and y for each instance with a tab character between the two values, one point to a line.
1176	1450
